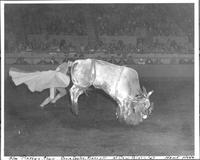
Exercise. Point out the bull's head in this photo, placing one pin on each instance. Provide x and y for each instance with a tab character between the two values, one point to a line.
143	103
142	107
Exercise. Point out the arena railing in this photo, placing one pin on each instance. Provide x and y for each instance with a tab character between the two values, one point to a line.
54	58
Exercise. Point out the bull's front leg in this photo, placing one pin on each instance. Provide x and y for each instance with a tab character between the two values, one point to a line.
119	111
75	92
123	110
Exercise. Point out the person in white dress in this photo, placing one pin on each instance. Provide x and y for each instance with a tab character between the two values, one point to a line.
63	68
54	80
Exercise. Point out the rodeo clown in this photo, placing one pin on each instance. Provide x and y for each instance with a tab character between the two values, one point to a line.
54	80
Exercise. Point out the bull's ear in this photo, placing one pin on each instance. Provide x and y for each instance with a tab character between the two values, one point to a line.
150	93
140	92
144	91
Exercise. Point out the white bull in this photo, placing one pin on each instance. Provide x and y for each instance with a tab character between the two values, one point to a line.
120	82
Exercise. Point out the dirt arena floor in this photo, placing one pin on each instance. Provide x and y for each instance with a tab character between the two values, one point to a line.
30	130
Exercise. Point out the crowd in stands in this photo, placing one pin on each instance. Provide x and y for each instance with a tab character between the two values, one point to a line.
141	21
52	60
153	22
113	20
113	47
115	52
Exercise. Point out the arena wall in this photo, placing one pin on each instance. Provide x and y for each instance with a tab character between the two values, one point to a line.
83	40
163	71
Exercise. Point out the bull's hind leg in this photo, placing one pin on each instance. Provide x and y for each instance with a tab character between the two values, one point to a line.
75	92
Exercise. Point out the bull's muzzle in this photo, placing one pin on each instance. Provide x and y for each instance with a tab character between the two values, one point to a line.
150	109
74	109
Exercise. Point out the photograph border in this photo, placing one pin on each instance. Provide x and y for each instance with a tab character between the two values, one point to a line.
196	78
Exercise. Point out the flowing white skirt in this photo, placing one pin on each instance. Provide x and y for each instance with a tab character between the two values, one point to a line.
39	80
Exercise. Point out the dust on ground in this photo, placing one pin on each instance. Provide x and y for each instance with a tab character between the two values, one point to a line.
54	131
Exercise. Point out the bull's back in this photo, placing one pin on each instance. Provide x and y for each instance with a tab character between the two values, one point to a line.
107	76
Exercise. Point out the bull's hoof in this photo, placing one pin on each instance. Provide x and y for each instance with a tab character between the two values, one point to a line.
74	110
121	120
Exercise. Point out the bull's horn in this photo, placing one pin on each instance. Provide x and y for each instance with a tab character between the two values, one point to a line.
150	93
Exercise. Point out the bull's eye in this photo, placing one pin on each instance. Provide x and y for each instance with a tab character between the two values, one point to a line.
133	110
146	112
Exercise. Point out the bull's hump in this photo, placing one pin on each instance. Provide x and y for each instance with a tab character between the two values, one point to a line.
107	63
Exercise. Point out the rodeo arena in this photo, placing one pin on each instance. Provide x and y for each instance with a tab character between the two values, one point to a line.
99	79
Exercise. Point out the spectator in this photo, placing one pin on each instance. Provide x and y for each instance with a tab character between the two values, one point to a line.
63	45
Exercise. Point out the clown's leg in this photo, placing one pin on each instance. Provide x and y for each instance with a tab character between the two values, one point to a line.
50	98
62	92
